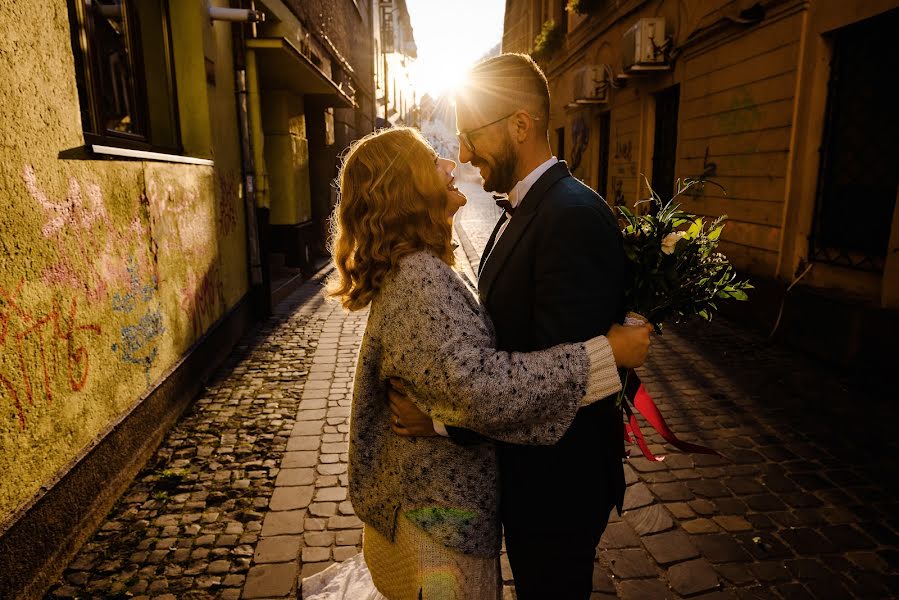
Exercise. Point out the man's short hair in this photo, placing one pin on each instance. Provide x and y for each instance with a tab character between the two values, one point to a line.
506	83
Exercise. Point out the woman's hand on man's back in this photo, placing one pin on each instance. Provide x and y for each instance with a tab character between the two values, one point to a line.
630	344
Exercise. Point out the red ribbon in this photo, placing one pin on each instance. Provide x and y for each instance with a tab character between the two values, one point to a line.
638	435
644	404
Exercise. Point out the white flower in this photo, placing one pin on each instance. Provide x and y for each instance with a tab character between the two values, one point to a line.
670	241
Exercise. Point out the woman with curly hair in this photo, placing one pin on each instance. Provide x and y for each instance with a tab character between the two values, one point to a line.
429	505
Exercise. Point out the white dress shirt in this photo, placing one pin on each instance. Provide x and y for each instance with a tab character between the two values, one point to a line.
516	195
521	190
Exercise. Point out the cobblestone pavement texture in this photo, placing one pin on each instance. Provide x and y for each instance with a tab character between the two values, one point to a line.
247	494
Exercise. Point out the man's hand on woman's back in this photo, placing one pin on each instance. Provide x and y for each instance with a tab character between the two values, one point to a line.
405	418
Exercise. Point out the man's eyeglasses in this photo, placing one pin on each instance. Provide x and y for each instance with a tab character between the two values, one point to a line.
465	136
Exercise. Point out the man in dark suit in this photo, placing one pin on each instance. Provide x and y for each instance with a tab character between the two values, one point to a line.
552	272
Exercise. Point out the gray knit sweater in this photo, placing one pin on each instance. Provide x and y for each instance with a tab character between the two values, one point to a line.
427	328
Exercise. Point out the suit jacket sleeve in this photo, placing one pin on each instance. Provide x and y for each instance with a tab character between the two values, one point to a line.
467	437
435	341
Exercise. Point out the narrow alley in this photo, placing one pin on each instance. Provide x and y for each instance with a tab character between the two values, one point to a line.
248	493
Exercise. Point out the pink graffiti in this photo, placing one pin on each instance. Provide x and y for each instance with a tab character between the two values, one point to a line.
72	211
228	195
91	250
177	219
202	299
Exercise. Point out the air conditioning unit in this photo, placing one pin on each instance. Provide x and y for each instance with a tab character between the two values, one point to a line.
644	46
591	85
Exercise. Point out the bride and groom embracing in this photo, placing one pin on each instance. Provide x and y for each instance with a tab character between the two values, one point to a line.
518	372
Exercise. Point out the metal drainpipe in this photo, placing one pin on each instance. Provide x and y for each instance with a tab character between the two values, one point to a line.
246	153
256	131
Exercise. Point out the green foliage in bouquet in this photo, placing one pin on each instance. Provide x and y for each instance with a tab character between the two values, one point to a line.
675	272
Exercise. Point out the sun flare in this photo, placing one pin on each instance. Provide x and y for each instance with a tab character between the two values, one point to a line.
451	37
439	76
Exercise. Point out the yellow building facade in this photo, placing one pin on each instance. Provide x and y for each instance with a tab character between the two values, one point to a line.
131	256
775	101
112	268
395	50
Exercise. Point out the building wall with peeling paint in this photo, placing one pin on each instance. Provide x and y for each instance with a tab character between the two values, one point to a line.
111	269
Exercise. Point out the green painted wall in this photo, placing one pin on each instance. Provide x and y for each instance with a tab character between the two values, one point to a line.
109	270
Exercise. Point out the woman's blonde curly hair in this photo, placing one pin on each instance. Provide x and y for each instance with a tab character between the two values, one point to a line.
392	203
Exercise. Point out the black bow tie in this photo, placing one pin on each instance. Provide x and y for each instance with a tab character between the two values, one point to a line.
503	203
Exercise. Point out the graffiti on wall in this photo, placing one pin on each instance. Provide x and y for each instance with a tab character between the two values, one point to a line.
580	137
49	351
743	114
228	188
49	337
186	229
203	298
136	343
88	247
177	227
624	150
698	182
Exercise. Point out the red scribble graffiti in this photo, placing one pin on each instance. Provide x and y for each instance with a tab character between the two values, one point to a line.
32	334
10	300
228	192
15	398
201	299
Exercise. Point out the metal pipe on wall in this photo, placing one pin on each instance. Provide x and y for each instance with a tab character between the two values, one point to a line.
246	151
257	134
236	15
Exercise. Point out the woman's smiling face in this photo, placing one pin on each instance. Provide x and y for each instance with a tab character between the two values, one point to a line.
455	198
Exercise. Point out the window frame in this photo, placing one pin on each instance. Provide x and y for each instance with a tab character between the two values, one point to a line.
823	245
89	90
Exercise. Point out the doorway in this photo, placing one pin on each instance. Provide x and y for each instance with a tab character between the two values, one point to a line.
664	152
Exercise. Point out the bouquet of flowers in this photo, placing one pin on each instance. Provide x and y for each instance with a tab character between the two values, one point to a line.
675	273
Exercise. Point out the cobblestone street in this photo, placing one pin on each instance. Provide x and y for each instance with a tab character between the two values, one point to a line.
248	492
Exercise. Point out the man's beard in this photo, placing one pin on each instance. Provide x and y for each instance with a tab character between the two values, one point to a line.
501	178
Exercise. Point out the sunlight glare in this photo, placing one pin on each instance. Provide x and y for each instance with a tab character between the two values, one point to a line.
451	37
438	77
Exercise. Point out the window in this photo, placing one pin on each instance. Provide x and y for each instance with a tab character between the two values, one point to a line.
387	35
858	177
123	65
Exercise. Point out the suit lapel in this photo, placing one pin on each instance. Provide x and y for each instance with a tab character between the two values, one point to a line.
501	251
524	214
490	241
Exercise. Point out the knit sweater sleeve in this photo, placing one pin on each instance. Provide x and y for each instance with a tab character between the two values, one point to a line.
434	339
603	379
